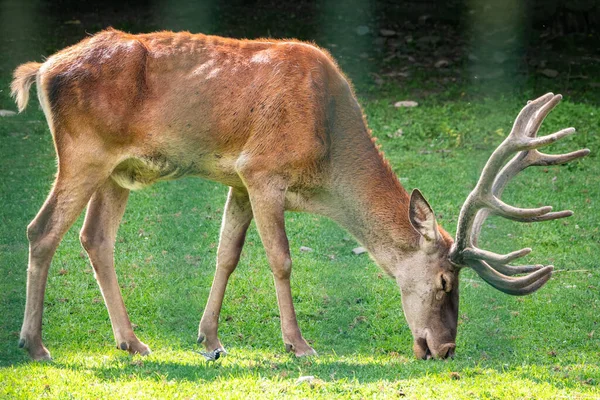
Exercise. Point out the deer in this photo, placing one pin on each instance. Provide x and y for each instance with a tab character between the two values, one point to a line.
279	124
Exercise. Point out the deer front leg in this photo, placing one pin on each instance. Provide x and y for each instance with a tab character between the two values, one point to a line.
236	219
268	201
98	235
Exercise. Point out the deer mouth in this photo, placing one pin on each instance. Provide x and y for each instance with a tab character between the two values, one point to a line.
423	351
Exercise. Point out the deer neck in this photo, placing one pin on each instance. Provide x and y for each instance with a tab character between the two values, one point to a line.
369	201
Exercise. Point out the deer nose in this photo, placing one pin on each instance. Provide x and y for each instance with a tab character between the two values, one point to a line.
446	350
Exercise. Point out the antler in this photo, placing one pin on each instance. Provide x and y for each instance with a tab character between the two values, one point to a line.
485	199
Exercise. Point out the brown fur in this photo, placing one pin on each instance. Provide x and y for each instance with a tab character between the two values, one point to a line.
276	121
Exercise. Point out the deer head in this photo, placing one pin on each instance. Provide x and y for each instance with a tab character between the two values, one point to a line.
429	279
428	282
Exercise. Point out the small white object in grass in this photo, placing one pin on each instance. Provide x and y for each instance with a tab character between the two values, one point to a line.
396	134
306	249
359	250
406	103
443	63
307	379
7	113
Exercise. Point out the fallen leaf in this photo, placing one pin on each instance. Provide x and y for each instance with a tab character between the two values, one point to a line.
396	134
442	63
306	249
359	250
549	73
406	103
455	375
393	74
387	32
7	113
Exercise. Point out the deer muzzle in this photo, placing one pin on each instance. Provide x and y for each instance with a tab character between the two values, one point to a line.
425	351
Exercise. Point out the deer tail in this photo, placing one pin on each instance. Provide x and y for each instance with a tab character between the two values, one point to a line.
23	78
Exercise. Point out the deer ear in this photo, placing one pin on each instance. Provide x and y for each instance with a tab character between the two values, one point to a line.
422	217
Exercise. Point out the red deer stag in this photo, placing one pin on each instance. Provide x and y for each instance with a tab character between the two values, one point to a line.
278	123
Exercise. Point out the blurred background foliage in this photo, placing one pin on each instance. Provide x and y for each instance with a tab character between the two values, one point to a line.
492	47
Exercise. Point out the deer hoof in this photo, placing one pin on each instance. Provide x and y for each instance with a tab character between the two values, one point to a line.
306	351
139	348
36	352
145	352
40	354
135	347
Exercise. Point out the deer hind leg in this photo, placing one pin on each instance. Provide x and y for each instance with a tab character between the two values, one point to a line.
77	180
98	236
236	219
267	196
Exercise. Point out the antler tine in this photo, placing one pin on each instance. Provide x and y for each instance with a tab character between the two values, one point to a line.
515	286
485	199
518	163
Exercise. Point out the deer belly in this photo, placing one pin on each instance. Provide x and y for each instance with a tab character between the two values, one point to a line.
138	172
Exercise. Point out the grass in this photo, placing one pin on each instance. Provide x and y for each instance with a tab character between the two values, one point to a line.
541	346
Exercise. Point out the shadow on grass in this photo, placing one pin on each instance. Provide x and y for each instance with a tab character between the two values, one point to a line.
329	371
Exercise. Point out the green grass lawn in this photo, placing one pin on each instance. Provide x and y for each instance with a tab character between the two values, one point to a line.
546	345
541	346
